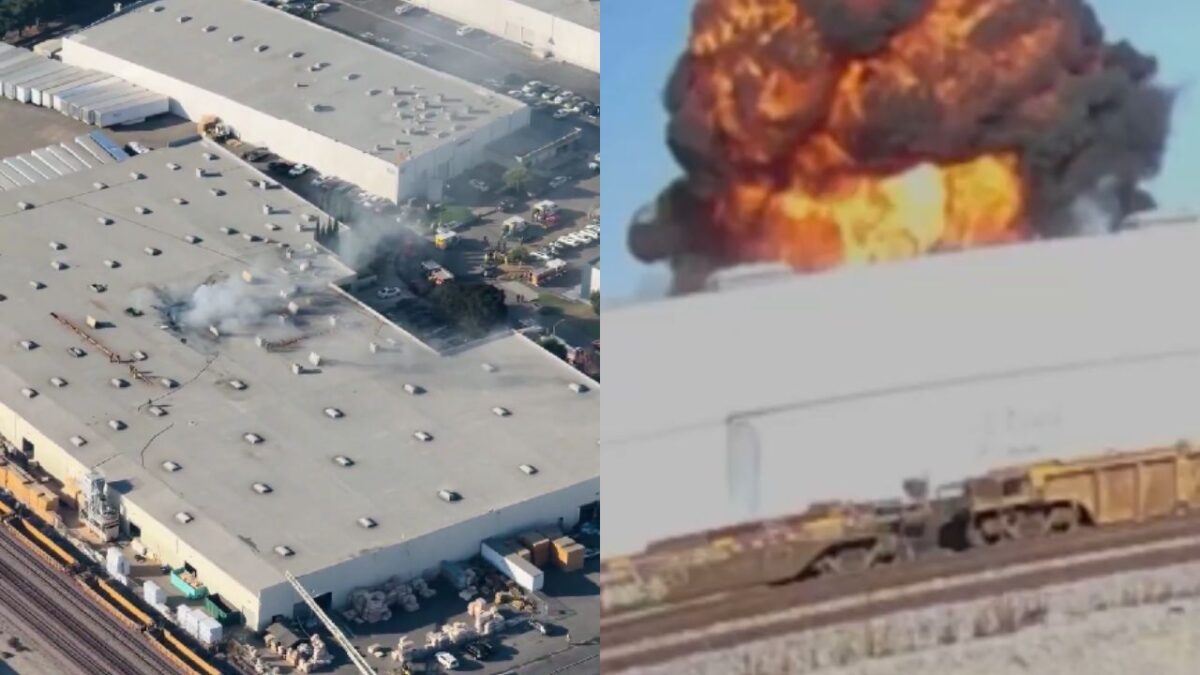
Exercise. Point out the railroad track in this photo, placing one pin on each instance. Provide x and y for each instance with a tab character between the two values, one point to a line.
56	607
658	635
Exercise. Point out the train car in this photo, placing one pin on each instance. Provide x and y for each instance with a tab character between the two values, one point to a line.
825	539
1054	497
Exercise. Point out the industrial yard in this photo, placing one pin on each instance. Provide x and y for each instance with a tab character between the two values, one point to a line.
219	446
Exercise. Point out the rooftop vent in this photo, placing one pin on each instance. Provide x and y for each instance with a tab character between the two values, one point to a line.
184	517
28	392
157	8
192	239
272	227
171	466
251	237
140	355
3	297
373	92
352	76
119	383
295	55
99	186
104	220
173	166
334	413
262	488
99	288
489	367
24	206
252	438
28	345
59	265
58	382
77	352
578	387
237	384
423	436
284	551
225	229
449	495
157	411
168	383
528	469
116	425
78	441
37	285
209	156
180	201
184	19
92	322
313	358
217	192
137	175
501	412
141	210
297	369
343	460
112	264
209	28
366	523
235	38
57	245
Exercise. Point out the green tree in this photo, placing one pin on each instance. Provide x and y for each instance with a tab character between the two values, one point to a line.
516	178
554	347
596	301
517	255
474	308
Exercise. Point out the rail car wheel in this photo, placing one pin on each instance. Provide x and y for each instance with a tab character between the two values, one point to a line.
985	531
843	560
1063	519
1025	524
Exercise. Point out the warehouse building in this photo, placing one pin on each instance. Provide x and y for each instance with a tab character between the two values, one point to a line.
787	391
168	323
391	126
564	30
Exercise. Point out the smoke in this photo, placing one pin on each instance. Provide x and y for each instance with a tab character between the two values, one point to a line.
800	92
360	245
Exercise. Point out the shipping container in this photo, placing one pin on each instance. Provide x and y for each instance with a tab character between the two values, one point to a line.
504	559
148	104
63	100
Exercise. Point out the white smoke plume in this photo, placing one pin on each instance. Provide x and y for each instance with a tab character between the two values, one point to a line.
369	238
1096	211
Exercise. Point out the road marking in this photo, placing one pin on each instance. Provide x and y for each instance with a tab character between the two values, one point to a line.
427	34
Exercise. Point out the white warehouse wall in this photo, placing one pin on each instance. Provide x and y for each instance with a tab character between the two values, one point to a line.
522	24
423	174
371	173
411	558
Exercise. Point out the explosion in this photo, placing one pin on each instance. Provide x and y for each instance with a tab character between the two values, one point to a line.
827	132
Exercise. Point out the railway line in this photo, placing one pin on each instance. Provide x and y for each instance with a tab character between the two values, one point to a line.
56	607
715	622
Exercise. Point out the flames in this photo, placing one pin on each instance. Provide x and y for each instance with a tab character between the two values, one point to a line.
825	132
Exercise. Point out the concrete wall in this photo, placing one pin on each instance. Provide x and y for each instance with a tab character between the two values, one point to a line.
525	25
285	138
411	558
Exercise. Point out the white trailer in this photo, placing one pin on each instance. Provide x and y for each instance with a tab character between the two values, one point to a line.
20	72
80	108
80	78
148	104
63	101
27	88
512	565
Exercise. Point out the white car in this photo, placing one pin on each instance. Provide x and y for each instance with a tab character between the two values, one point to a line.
540	255
570	240
587	237
404	8
558	181
320	7
387	292
562	114
464	31
298	170
447	660
138	148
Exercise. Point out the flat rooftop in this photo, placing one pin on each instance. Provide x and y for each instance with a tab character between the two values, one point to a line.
157	243
586	13
357	86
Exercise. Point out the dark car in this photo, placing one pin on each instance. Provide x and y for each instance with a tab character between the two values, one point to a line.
279	167
256	155
479	650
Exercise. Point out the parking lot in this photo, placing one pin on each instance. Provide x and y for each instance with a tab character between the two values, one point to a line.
432	39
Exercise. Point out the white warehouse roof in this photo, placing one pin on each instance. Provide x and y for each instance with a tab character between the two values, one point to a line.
230	413
284	66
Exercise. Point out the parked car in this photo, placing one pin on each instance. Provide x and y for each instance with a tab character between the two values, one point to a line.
558	181
539	626
562	113
255	155
464	31
321	7
388	292
478	185
298	170
447	660
404	8
279	167
480	650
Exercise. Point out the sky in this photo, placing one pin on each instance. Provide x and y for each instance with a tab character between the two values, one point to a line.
643	39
